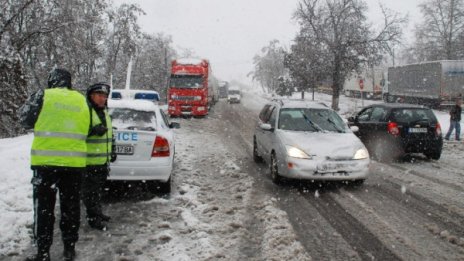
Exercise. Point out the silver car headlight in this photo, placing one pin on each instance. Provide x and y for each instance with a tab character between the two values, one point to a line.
296	152
361	154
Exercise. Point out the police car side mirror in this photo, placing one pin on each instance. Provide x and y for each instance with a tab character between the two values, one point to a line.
174	125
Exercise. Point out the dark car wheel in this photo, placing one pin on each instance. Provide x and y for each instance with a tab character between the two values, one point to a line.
433	154
276	178
256	156
357	182
160	187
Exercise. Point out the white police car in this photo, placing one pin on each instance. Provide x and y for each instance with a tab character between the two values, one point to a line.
144	143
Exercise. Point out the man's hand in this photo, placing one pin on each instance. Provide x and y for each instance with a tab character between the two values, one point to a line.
114	156
98	130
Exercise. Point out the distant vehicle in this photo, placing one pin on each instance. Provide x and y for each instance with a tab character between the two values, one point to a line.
307	140
391	130
368	84
435	83
145	143
234	96
135	94
192	88
223	89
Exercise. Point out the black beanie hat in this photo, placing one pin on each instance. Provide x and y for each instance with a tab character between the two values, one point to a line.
59	78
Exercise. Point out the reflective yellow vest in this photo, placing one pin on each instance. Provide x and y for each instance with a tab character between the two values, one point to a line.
61	130
99	147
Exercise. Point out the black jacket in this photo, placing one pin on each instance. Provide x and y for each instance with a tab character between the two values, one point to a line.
29	112
456	113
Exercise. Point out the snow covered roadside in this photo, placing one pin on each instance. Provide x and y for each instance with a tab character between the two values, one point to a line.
206	217
16	190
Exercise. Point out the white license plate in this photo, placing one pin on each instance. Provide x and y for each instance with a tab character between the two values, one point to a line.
332	167
124	149
417	130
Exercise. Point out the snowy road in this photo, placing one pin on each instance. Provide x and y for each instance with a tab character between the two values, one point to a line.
225	207
412	210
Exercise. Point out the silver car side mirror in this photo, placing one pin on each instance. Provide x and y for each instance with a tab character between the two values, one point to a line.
266	127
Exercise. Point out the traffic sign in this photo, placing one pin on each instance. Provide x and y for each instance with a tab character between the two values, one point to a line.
361	84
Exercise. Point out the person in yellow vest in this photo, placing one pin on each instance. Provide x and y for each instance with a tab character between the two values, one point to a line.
60	118
99	154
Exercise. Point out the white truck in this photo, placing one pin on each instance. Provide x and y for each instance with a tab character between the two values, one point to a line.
234	95
434	83
369	84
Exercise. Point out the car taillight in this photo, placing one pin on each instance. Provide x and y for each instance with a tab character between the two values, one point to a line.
161	147
392	128
438	129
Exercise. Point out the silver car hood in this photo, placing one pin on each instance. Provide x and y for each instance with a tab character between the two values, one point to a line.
326	145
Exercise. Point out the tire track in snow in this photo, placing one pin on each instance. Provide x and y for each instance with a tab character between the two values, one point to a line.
358	241
366	243
436	213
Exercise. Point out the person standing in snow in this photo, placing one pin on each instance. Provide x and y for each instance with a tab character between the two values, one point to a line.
60	118
455	118
99	154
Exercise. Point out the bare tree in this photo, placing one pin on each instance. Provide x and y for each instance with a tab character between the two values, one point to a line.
440	36
339	28
152	65
306	63
122	41
269	66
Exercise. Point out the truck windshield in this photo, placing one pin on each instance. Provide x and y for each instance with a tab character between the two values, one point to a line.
232	92
186	81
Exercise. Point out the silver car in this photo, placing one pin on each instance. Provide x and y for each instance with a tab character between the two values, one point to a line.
144	143
307	140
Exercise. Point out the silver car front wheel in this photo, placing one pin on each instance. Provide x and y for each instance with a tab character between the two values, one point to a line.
276	178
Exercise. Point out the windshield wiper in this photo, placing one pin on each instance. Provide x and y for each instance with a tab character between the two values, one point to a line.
311	123
335	125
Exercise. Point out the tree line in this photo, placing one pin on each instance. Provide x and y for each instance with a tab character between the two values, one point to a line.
335	39
93	39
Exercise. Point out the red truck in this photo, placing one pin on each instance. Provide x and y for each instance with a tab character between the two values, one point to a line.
192	88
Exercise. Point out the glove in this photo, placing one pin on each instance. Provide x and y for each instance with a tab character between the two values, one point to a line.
114	156
98	130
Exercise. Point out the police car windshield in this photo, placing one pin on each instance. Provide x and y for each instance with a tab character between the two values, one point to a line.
124	118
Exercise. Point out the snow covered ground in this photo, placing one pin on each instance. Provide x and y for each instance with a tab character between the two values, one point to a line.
204	219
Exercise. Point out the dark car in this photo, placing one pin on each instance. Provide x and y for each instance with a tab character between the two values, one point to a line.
391	130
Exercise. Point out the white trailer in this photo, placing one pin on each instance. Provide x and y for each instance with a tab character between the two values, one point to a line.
434	83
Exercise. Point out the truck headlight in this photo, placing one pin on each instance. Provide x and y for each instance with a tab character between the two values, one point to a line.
296	153
361	154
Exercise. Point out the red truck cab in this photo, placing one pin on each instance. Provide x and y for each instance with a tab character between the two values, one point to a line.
191	89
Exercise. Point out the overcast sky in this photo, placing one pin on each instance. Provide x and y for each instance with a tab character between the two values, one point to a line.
230	32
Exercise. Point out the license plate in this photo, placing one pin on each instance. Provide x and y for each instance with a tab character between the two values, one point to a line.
332	167
124	149
417	130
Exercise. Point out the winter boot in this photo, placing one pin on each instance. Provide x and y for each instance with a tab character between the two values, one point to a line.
97	223
43	256
104	217
69	253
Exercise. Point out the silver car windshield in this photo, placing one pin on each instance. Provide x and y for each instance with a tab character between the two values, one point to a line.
312	120
124	118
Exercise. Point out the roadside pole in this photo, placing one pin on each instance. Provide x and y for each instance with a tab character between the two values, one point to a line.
361	87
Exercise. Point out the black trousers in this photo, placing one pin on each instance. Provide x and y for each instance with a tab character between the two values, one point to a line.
92	185
45	183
